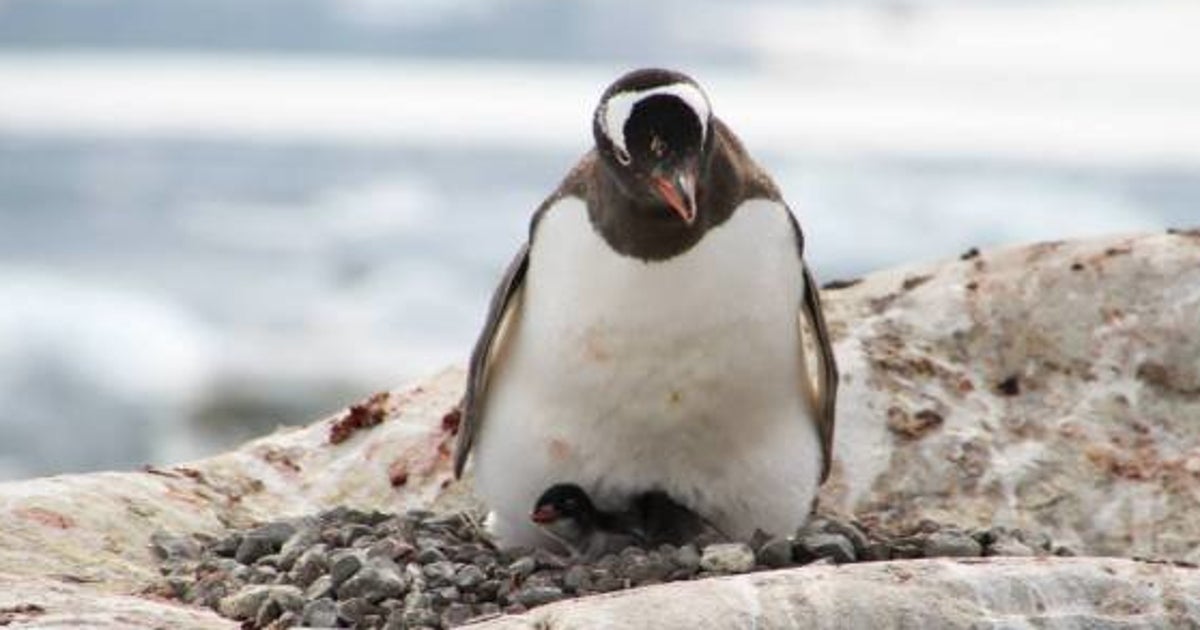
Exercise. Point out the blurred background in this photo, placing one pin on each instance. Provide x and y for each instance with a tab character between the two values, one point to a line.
218	216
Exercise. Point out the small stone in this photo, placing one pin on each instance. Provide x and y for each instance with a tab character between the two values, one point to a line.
523	567
228	546
775	553
446	594
311	564
536	595
876	551
576	579
833	546
468	577
487	589
268	612
351	533
852	532
320	587
355	610
245	603
1064	551
174	547
389	548
374	583
294	547
1036	541
254	547
687	557
1008	547
456	614
429	555
951	544
646	568
439	573
727	558
344	566
320	613
419	618
486	609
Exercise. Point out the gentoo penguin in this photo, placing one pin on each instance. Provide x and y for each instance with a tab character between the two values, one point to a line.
658	330
566	513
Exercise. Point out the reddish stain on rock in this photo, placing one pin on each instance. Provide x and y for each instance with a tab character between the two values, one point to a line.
361	416
48	518
280	459
20	613
398	473
915	426
451	420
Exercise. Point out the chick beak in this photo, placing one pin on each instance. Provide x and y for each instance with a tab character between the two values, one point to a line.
678	190
544	514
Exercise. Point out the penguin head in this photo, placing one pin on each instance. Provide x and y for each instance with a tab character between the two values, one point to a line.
565	511
653	128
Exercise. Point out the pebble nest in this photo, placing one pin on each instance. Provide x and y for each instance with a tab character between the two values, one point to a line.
346	568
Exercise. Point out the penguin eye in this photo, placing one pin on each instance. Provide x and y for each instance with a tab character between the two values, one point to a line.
623	157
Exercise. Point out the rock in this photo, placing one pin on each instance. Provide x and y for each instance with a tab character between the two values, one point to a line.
835	547
522	567
174	547
775	553
321	613
727	558
687	557
531	596
456	615
952	545
374	583
1009	547
1049	593
245	603
345	564
320	588
468	577
312	563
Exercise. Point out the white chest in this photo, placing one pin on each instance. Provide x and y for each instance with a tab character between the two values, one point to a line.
622	374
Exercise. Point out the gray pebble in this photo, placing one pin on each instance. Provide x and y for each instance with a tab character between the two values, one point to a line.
446	594
244	604
487	609
468	577
727	558
833	546
254	547
1009	547
419	618
428	554
311	564
320	613
294	547
174	547
268	612
456	614
535	595
951	544
343	566
687	557
576	578
439	573
320	587
228	546
646	568
373	583
354	611
523	567
775	553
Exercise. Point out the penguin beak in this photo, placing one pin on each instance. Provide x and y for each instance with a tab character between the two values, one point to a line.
544	514
678	190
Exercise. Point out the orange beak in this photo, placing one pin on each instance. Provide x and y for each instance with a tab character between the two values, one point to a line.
544	514
679	192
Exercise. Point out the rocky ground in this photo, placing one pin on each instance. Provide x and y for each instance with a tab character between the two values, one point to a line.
346	568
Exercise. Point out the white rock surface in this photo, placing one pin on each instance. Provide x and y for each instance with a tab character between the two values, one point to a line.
1051	594
1054	387
1097	344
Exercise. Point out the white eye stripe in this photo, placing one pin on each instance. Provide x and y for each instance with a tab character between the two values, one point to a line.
619	107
